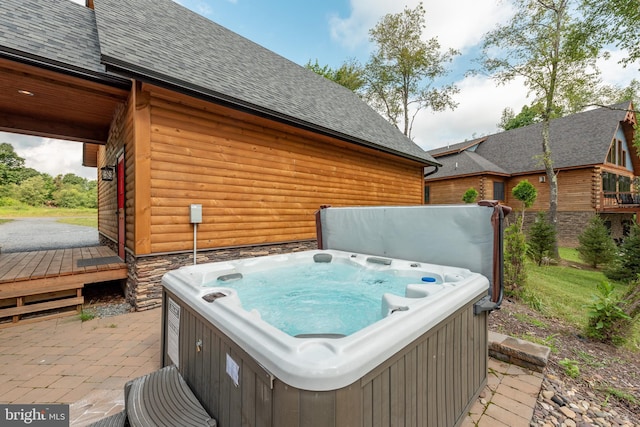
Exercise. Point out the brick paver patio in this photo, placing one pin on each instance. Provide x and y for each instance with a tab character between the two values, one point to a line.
86	365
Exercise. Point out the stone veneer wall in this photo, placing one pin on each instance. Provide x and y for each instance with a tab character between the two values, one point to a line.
144	289
572	224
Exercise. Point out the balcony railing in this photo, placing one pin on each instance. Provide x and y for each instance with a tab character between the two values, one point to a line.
609	200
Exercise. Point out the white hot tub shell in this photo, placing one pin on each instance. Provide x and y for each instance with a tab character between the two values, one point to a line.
424	363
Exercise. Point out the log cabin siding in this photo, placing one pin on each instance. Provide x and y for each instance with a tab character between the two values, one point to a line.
578	190
450	191
258	181
120	134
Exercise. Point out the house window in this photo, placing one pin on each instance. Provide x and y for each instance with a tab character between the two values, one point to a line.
624	184
498	190
617	155
426	194
609	182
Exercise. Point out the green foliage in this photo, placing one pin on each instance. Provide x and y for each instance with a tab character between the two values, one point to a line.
626	265
596	245
605	314
542	238
470	196
68	197
515	250
622	395
613	22
571	367
86	315
32	191
527	116
526	193
401	73
21	185
9	158
10	165
348	75
9	201
539	45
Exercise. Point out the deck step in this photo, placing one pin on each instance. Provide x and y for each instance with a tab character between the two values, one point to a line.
163	398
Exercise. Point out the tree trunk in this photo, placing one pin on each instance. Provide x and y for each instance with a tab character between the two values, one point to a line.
553	184
560	10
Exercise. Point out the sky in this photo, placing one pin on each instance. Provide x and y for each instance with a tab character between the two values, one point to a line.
334	31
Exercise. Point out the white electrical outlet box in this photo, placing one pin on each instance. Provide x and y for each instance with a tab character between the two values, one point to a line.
195	213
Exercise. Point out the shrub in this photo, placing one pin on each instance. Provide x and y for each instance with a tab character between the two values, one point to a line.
542	238
8	201
596	245
526	193
32	191
606	316
515	251
470	195
627	264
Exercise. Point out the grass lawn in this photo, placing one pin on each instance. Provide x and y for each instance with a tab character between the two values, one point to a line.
82	216
7	212
563	292
87	221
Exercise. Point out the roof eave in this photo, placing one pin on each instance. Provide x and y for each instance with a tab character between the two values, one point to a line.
167	82
67	69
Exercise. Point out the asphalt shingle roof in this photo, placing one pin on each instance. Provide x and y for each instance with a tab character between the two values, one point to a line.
55	32
576	140
162	40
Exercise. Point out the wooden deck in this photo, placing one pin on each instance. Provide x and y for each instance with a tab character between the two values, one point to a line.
45	284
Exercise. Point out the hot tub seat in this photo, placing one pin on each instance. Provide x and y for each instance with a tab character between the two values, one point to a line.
163	398
159	399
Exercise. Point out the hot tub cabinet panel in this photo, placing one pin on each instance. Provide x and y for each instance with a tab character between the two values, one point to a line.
431	382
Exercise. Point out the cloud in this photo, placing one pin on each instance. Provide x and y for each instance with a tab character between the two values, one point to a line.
615	74
480	107
457	24
50	156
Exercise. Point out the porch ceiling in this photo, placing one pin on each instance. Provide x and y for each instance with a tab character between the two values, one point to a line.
42	102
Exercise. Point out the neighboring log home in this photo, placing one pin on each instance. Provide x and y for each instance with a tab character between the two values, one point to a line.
593	155
176	110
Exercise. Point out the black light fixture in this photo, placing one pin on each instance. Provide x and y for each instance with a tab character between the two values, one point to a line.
107	173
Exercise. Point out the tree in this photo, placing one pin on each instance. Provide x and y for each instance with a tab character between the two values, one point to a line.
401	73
515	252
32	191
10	165
542	239
627	264
596	245
526	193
614	22
470	195
529	115
540	45
348	75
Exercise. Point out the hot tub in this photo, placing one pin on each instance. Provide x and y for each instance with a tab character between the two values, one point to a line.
422	361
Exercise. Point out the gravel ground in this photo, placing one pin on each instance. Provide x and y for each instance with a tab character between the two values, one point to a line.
605	386
35	234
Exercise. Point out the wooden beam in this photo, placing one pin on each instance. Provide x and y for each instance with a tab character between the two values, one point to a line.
52	129
30	287
142	178
42	306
